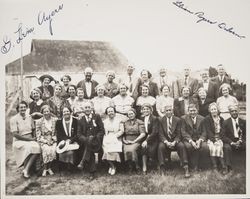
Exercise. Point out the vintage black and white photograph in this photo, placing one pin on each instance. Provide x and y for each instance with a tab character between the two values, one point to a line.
124	97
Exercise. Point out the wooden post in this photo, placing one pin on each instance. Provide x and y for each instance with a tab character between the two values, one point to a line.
21	92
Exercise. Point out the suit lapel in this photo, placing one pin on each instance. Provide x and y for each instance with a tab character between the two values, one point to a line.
189	121
174	124
165	125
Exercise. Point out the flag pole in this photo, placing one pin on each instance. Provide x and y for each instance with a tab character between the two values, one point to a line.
21	92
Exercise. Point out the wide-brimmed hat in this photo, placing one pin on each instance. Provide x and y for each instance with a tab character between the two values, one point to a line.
46	76
64	145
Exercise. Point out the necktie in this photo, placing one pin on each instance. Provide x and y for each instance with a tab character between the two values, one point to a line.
185	82
194	123
162	81
130	84
169	127
221	78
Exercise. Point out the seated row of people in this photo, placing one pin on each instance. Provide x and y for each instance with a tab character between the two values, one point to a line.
192	135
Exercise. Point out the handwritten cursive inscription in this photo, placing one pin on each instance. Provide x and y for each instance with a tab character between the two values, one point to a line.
23	31
22	34
43	17
202	18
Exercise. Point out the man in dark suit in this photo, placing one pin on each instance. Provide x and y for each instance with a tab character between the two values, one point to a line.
90	134
210	87
193	136
234	134
221	78
192	83
145	80
169	137
88	84
181	104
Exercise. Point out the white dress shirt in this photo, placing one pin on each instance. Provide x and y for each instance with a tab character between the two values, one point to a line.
88	88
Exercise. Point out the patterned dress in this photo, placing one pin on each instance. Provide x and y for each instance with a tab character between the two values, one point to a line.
45	133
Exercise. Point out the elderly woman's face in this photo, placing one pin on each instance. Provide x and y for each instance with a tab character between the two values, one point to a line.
65	81
36	95
46	113
100	91
213	110
72	91
202	94
144	75
111	112
165	91
185	92
58	90
131	115
22	109
80	94
123	90
146	111
110	77
46	82
66	113
225	91
144	91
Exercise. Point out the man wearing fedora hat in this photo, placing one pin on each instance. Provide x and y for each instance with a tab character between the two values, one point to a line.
88	84
90	134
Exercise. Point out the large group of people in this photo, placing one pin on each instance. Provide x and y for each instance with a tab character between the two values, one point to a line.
132	122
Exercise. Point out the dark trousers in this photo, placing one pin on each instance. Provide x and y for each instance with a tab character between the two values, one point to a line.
165	152
194	155
227	150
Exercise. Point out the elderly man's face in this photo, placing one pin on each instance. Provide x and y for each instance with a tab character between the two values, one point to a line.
169	112
221	71
205	75
88	76
130	70
234	112
87	108
163	73
110	78
193	112
186	71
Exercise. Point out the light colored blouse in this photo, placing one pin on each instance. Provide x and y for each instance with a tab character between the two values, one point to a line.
100	104
22	126
113	126
142	100
123	104
224	102
162	102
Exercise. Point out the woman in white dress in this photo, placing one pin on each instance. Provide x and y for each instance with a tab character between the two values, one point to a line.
25	147
112	144
225	101
101	102
163	100
46	137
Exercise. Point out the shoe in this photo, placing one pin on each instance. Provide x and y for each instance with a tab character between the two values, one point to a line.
110	169
162	170
187	174
50	172
44	172
144	173
92	176
113	171
224	171
25	174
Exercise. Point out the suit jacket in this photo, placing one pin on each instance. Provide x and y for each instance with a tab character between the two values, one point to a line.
153	89
153	125
179	106
203	108
61	131
217	81
179	83
188	131
210	129
212	91
131	86
175	129
167	82
82	85
95	128
228	130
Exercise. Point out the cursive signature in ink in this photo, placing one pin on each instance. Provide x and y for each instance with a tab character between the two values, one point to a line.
22	34
6	46
43	17
202	18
